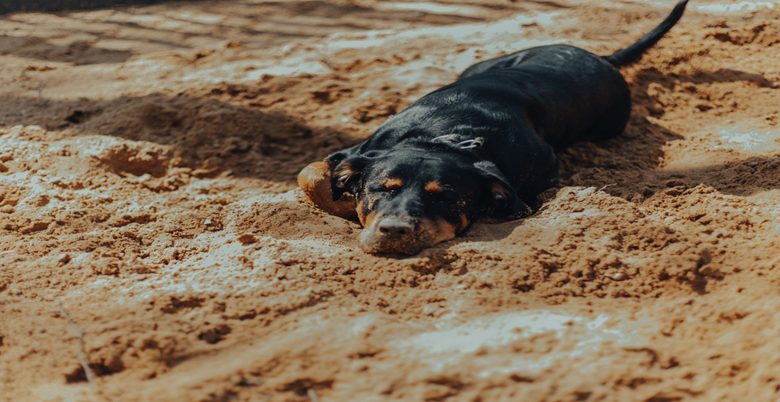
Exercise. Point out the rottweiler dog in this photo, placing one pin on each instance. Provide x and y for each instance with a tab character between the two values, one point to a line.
483	146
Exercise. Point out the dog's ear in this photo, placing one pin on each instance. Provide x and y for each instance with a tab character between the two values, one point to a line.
315	181
501	200
347	175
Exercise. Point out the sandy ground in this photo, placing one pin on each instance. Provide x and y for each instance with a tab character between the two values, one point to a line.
150	224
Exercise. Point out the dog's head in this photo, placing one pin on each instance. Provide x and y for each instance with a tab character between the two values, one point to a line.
412	198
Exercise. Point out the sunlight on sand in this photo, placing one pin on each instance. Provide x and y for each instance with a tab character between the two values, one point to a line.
746	139
450	344
722	8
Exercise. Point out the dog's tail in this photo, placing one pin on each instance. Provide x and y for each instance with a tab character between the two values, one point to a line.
632	53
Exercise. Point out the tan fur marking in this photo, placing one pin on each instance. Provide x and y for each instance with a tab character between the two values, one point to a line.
434	187
369	219
361	215
464	222
443	230
392	184
365	220
446	230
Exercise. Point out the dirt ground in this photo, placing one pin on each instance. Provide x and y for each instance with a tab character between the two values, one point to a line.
150	225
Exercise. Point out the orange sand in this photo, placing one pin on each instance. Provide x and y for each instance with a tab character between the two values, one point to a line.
147	183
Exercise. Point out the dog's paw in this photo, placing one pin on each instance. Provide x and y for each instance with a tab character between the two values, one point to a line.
314	180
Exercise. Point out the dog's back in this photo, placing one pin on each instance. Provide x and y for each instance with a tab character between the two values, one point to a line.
569	94
584	96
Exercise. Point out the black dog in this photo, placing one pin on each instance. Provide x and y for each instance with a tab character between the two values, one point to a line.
482	146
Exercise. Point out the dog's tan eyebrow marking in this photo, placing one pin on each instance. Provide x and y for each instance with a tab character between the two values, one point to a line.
392	184
434	187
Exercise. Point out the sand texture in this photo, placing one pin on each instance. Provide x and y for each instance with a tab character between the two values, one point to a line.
151	227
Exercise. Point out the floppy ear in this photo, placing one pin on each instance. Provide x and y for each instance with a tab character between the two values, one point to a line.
502	200
315	181
347	175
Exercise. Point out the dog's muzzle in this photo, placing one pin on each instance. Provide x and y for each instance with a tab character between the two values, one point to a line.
398	235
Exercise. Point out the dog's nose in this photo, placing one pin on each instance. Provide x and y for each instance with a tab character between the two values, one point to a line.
392	227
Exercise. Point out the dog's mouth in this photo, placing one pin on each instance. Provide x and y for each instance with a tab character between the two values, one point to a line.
399	235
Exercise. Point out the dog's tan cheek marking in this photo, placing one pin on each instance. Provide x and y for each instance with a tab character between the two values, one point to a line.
361	213
366	215
441	229
392	184
434	187
370	219
446	230
464	223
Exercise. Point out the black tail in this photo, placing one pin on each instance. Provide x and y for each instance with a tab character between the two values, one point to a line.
632	53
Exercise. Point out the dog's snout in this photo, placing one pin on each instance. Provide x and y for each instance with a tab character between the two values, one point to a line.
395	227
392	234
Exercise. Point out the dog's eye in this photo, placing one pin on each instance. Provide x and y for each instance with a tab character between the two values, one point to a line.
379	189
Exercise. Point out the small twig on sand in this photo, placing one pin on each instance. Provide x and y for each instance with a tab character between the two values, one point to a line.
328	64
324	58
608	185
312	395
82	355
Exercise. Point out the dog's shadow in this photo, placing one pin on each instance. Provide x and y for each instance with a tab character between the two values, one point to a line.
622	166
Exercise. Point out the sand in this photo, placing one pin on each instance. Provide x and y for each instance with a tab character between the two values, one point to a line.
151	228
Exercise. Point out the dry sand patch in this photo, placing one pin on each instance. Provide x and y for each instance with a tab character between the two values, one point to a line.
147	186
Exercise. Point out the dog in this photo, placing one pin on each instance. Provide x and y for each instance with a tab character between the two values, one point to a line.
483	146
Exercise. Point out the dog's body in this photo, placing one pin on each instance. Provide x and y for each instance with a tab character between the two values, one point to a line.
482	146
523	113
